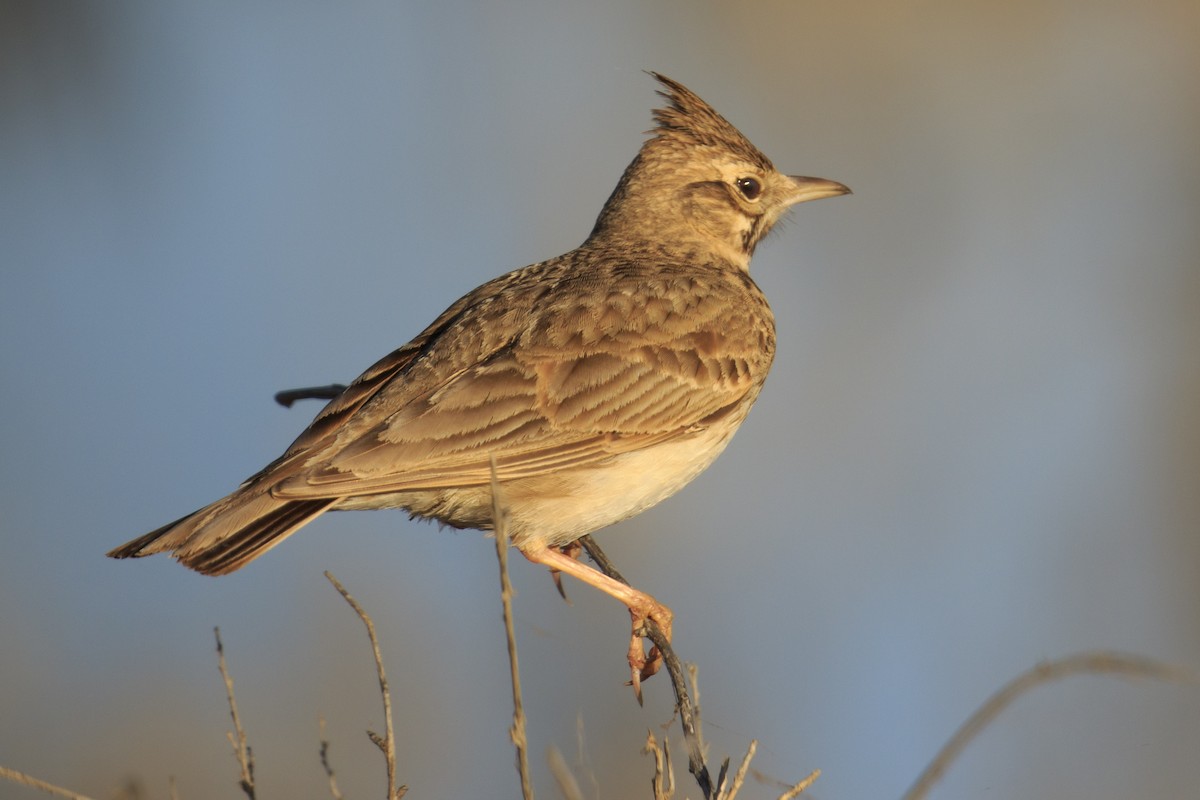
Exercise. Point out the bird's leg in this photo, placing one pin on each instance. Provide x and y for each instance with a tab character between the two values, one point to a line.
641	607
573	550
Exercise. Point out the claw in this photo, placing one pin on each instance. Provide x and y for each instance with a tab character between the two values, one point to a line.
556	575
642	664
573	550
637	661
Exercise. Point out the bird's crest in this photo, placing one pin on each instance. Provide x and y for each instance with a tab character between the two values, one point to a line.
691	121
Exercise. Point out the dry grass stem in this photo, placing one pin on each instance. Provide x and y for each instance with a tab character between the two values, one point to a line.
237	737
1094	663
517	732
567	785
387	742
22	779
333	787
796	790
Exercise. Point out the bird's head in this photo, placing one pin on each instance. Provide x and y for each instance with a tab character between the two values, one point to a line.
699	184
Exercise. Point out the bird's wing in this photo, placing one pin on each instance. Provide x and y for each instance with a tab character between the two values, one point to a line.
567	394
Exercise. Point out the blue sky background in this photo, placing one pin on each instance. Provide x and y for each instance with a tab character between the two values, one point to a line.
979	447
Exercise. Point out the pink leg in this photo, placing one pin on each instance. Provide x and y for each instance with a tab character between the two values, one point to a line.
641	607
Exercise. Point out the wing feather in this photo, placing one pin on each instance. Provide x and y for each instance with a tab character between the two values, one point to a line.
572	389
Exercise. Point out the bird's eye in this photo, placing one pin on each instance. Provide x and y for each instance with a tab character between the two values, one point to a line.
750	188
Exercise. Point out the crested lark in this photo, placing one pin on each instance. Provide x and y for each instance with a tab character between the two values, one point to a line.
598	383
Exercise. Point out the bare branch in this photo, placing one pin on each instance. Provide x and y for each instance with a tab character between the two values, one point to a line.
237	738
1094	663
740	776
796	790
33	783
663	782
387	742
517	732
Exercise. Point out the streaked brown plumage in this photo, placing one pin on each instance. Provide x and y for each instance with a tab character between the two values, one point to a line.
600	382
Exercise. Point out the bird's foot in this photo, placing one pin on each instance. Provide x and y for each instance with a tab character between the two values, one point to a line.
643	609
643	664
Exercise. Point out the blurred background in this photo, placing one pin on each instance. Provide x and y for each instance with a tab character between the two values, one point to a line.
979	447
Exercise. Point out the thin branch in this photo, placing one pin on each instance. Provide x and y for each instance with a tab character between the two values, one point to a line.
33	783
237	738
517	732
740	776
386	743
333	787
795	791
663	782
289	396
689	719
1094	663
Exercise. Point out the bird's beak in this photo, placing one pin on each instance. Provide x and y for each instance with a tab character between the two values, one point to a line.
804	189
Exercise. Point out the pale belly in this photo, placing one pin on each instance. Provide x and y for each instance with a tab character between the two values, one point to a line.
557	509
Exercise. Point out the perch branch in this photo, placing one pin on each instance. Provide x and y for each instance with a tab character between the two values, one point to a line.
689	718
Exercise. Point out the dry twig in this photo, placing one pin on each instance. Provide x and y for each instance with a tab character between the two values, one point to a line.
663	782
796	790
739	777
237	737
33	783
387	742
1094	663
517	732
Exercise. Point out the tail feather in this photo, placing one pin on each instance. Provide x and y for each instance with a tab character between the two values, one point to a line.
230	533
251	541
149	544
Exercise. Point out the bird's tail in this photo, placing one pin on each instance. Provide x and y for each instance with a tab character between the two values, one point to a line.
230	533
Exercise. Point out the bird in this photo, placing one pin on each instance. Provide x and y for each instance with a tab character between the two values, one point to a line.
586	388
